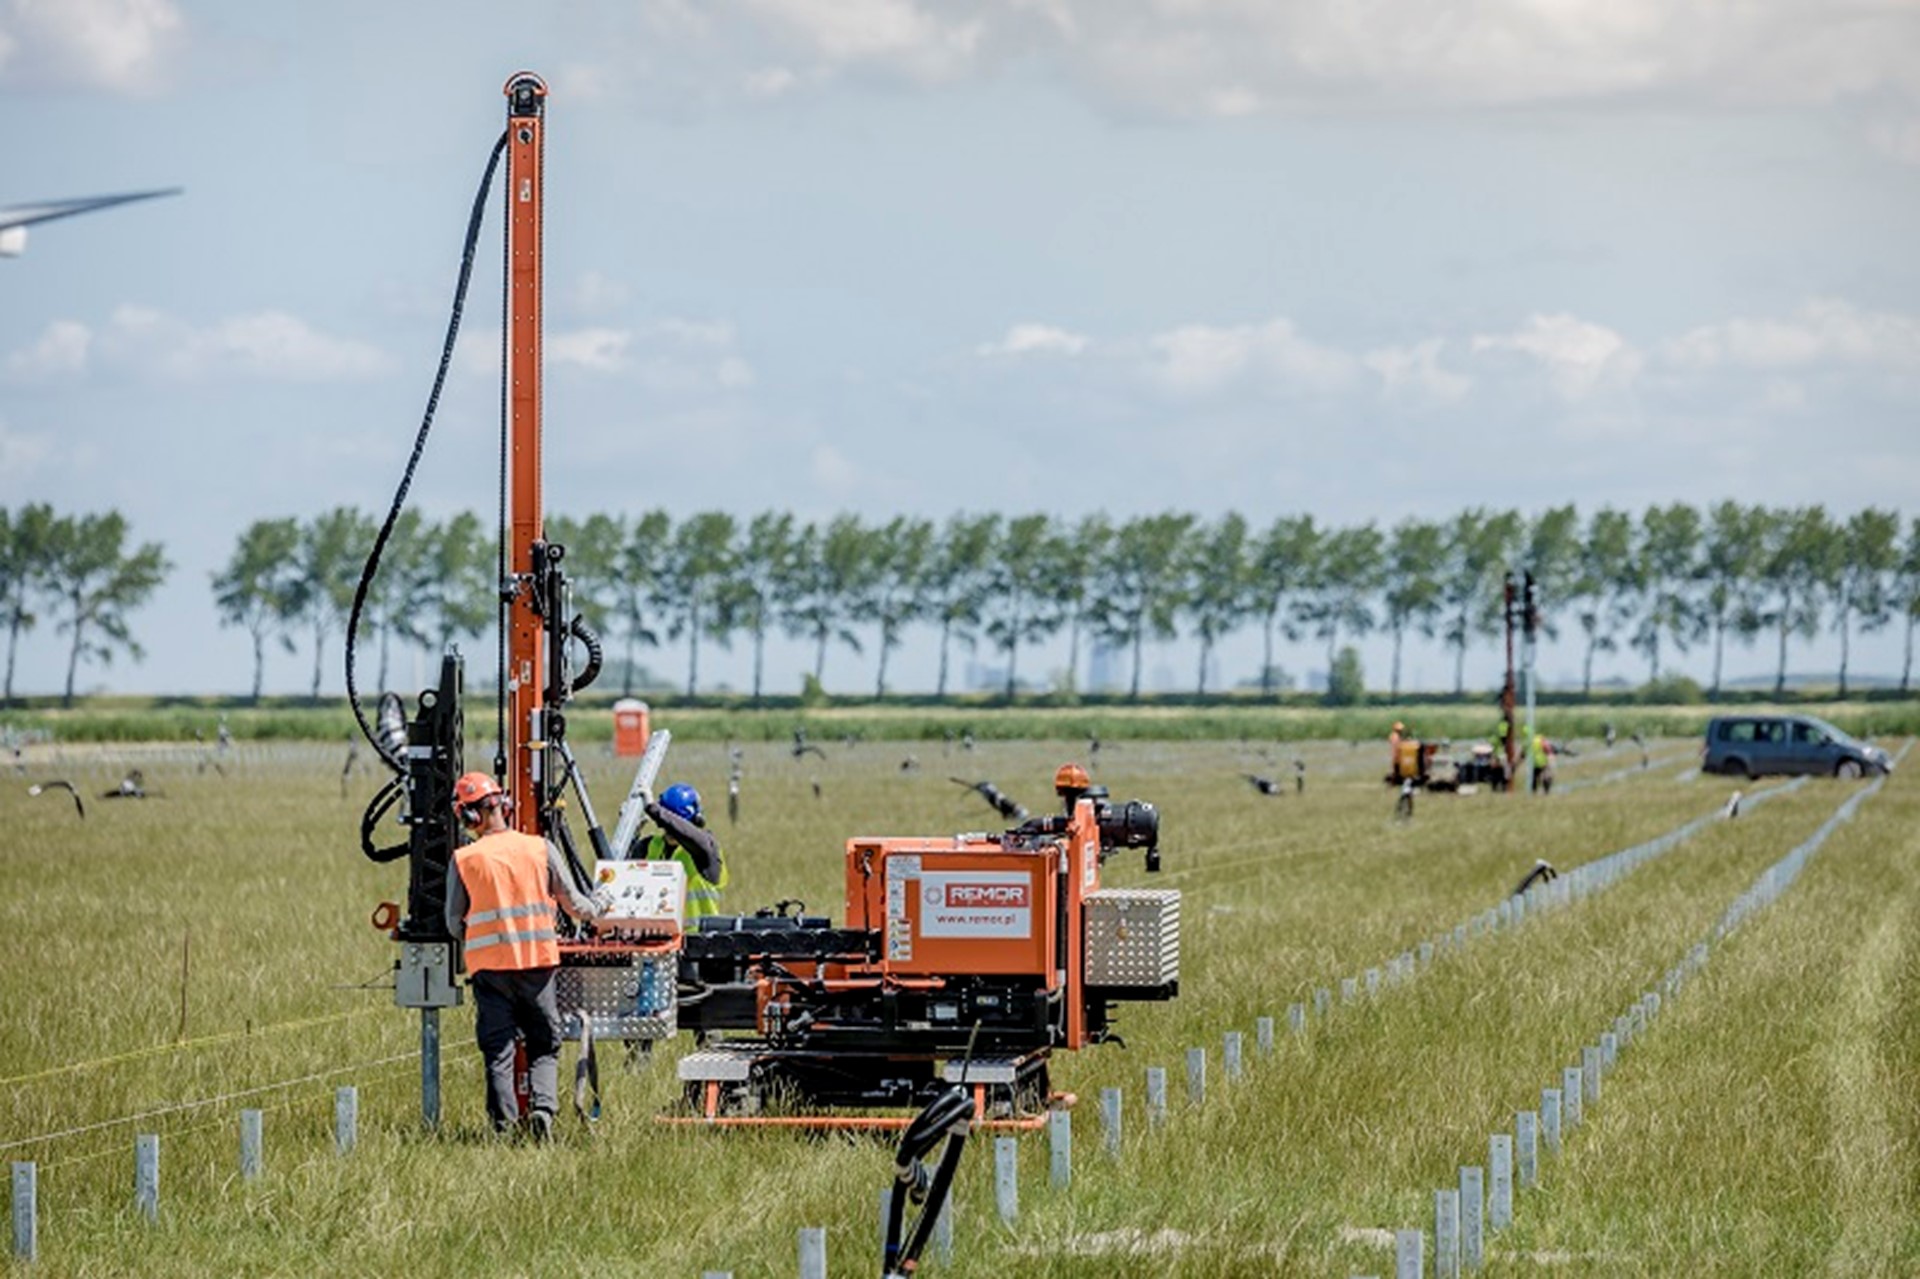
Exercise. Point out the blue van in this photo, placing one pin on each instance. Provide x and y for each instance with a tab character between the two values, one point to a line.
1763	745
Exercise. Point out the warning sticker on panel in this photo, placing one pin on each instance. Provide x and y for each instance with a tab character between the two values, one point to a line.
980	903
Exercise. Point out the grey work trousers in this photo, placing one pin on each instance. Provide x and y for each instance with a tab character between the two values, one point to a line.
520	1004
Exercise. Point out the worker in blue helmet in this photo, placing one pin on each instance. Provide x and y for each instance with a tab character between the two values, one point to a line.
682	836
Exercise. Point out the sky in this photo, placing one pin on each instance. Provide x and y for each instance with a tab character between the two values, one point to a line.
1362	260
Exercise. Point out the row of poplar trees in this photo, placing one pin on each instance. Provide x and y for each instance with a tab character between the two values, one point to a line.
1669	579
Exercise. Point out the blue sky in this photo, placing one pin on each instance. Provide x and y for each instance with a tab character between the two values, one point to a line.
1361	260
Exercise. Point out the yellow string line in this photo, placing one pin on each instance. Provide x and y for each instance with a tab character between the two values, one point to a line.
209	1125
156	1049
204	1101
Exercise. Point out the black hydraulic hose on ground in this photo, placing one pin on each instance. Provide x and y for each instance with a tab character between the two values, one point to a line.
949	1115
372	566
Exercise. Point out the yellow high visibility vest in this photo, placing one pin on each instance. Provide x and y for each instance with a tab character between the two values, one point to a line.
703	894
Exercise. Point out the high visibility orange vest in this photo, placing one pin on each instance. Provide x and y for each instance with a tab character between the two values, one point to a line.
509	908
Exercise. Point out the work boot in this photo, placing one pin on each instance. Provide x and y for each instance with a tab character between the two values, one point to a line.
540	1127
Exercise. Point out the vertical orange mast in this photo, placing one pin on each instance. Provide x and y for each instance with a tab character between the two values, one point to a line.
526	749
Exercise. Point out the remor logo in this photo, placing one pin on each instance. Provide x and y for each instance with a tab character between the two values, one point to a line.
978	895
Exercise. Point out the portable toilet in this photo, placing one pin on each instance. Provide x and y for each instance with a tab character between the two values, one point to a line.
630	727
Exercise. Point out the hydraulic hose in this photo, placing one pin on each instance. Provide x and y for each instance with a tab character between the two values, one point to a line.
596	653
949	1115
372	566
378	808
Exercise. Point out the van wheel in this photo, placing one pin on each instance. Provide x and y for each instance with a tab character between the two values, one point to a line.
1848	770
1735	767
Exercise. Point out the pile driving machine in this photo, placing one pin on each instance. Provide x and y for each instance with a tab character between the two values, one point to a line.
1004	942
621	981
963	960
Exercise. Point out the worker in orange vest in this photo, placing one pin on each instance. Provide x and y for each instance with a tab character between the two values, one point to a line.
502	897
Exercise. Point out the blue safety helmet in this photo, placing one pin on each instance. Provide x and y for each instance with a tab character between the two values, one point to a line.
682	801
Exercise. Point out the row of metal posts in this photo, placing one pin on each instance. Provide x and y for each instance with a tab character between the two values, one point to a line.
146	1168
1459	1221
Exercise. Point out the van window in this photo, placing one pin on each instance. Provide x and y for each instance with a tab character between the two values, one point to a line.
1736	730
1808	735
1769	730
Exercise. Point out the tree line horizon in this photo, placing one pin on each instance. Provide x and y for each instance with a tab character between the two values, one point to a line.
1675	575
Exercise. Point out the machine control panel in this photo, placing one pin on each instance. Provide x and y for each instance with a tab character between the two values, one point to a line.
647	896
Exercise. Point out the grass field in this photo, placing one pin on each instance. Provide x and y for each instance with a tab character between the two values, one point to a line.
1768	1123
1298	718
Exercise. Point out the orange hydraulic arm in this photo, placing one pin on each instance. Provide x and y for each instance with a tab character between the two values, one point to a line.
528	758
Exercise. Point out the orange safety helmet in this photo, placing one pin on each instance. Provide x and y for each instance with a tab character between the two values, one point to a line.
474	789
1071	777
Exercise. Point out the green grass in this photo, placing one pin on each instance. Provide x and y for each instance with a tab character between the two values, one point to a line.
1768	1124
1292	718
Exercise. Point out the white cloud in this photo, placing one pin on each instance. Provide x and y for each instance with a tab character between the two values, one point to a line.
595	294
670	357
695	357
21	454
709	333
672	375
1826	331
270	345
1897	138
927	44
1236	57
595	350
121	46
1035	339
1578	356
1416	369
770	82
831	470
61	350
1200	358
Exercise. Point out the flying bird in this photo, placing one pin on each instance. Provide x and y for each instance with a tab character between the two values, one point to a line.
801	746
1265	785
40	788
1002	803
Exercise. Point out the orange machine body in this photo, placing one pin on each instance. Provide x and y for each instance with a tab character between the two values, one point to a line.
975	905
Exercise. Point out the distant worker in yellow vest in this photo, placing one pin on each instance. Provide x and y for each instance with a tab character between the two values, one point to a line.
503	891
683	837
1499	741
1542	764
